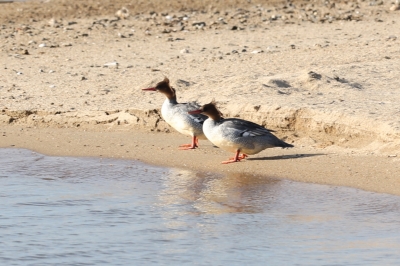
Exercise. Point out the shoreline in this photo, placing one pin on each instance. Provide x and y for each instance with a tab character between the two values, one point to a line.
367	172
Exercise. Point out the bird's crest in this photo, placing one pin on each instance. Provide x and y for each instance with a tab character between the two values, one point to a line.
215	103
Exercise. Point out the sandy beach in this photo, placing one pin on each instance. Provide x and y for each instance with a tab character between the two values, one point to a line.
324	75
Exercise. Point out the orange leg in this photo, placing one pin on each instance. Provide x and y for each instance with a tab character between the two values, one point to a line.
193	145
240	157
237	158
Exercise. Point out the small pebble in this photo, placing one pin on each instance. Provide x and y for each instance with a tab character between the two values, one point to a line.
53	22
111	64
123	13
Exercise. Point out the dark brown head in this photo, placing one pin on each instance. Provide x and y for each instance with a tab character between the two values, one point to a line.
165	88
210	110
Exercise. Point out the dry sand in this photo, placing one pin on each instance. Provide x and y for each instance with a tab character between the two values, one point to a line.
325	76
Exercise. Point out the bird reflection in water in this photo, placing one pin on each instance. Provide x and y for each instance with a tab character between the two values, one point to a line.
209	193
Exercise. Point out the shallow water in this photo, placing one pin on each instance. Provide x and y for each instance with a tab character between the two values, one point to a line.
92	211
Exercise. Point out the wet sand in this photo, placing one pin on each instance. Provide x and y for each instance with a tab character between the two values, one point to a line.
373	173
323	75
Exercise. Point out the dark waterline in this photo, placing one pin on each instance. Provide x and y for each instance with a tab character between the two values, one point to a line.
91	211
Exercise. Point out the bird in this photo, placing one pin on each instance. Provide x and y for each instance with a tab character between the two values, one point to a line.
237	135
177	114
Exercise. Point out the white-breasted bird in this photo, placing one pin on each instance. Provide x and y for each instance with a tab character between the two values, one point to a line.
237	135
177	116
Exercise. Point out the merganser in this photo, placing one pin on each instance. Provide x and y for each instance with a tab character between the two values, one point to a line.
237	135
177	116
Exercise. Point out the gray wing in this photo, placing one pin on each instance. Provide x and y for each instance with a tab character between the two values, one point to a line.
190	106
246	128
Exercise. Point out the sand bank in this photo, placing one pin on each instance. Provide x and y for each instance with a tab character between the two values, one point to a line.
374	173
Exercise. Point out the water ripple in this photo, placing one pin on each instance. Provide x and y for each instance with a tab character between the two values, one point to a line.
91	211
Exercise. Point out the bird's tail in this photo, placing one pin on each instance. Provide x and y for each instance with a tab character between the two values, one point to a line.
286	145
